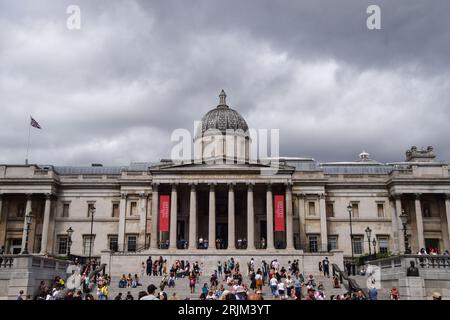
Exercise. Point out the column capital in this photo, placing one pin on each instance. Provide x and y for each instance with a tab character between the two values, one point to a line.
250	186
211	185
123	195
48	196
396	196
193	185
231	186
155	186
143	195
322	196
447	196
417	196
29	196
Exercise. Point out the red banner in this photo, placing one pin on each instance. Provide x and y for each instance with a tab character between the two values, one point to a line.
279	212
164	203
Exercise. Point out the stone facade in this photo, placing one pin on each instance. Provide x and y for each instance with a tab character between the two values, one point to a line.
229	202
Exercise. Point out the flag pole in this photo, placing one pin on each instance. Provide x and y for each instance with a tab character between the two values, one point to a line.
28	145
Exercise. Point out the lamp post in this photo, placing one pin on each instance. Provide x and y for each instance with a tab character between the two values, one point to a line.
28	219
404	219
69	241
350	209
374	243
92	212
368	233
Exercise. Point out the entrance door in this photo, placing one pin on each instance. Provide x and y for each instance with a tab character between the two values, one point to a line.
432	244
263	233
181	239
222	235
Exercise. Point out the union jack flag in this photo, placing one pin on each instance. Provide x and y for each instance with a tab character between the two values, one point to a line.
35	124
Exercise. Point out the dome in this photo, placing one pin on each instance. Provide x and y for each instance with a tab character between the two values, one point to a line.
222	118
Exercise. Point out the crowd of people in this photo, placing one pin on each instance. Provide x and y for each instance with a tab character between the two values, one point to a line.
227	282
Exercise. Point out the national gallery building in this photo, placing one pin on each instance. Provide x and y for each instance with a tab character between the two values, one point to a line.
229	206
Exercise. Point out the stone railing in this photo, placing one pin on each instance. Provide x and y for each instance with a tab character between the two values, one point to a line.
420	261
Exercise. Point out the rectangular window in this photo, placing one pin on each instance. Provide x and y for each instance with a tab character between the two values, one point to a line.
62	245
131	243
91	208
312	208
88	244
355	210
332	243
113	243
358	244
380	210
383	244
65	212
313	243
330	209
133	208
115	210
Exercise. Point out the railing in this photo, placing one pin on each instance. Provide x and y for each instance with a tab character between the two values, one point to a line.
420	261
6	261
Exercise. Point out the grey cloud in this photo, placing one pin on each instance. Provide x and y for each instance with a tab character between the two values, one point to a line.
113	91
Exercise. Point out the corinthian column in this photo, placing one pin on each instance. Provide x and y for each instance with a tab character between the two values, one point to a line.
143	218
24	230
154	235
289	218
212	218
250	218
122	216
173	218
45	223
269	213
193	218
231	219
419	221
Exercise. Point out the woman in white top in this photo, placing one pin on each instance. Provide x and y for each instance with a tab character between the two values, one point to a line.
281	289
274	286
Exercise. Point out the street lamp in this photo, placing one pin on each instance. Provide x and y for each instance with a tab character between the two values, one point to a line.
28	220
350	209
69	241
374	243
368	233
92	212
404	219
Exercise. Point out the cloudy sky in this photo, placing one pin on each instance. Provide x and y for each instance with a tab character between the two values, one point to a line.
113	91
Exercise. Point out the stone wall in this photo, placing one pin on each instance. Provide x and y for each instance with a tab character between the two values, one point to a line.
25	272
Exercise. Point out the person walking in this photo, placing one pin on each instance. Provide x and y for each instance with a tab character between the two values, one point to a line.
373	293
326	267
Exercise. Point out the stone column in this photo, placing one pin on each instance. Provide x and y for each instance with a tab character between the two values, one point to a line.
212	218
398	213
323	223
193	218
122	216
45	225
1	207
419	222
250	218
154	234
289	218
143	197
269	213
447	211
301	219
24	232
395	228
173	218
231	218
